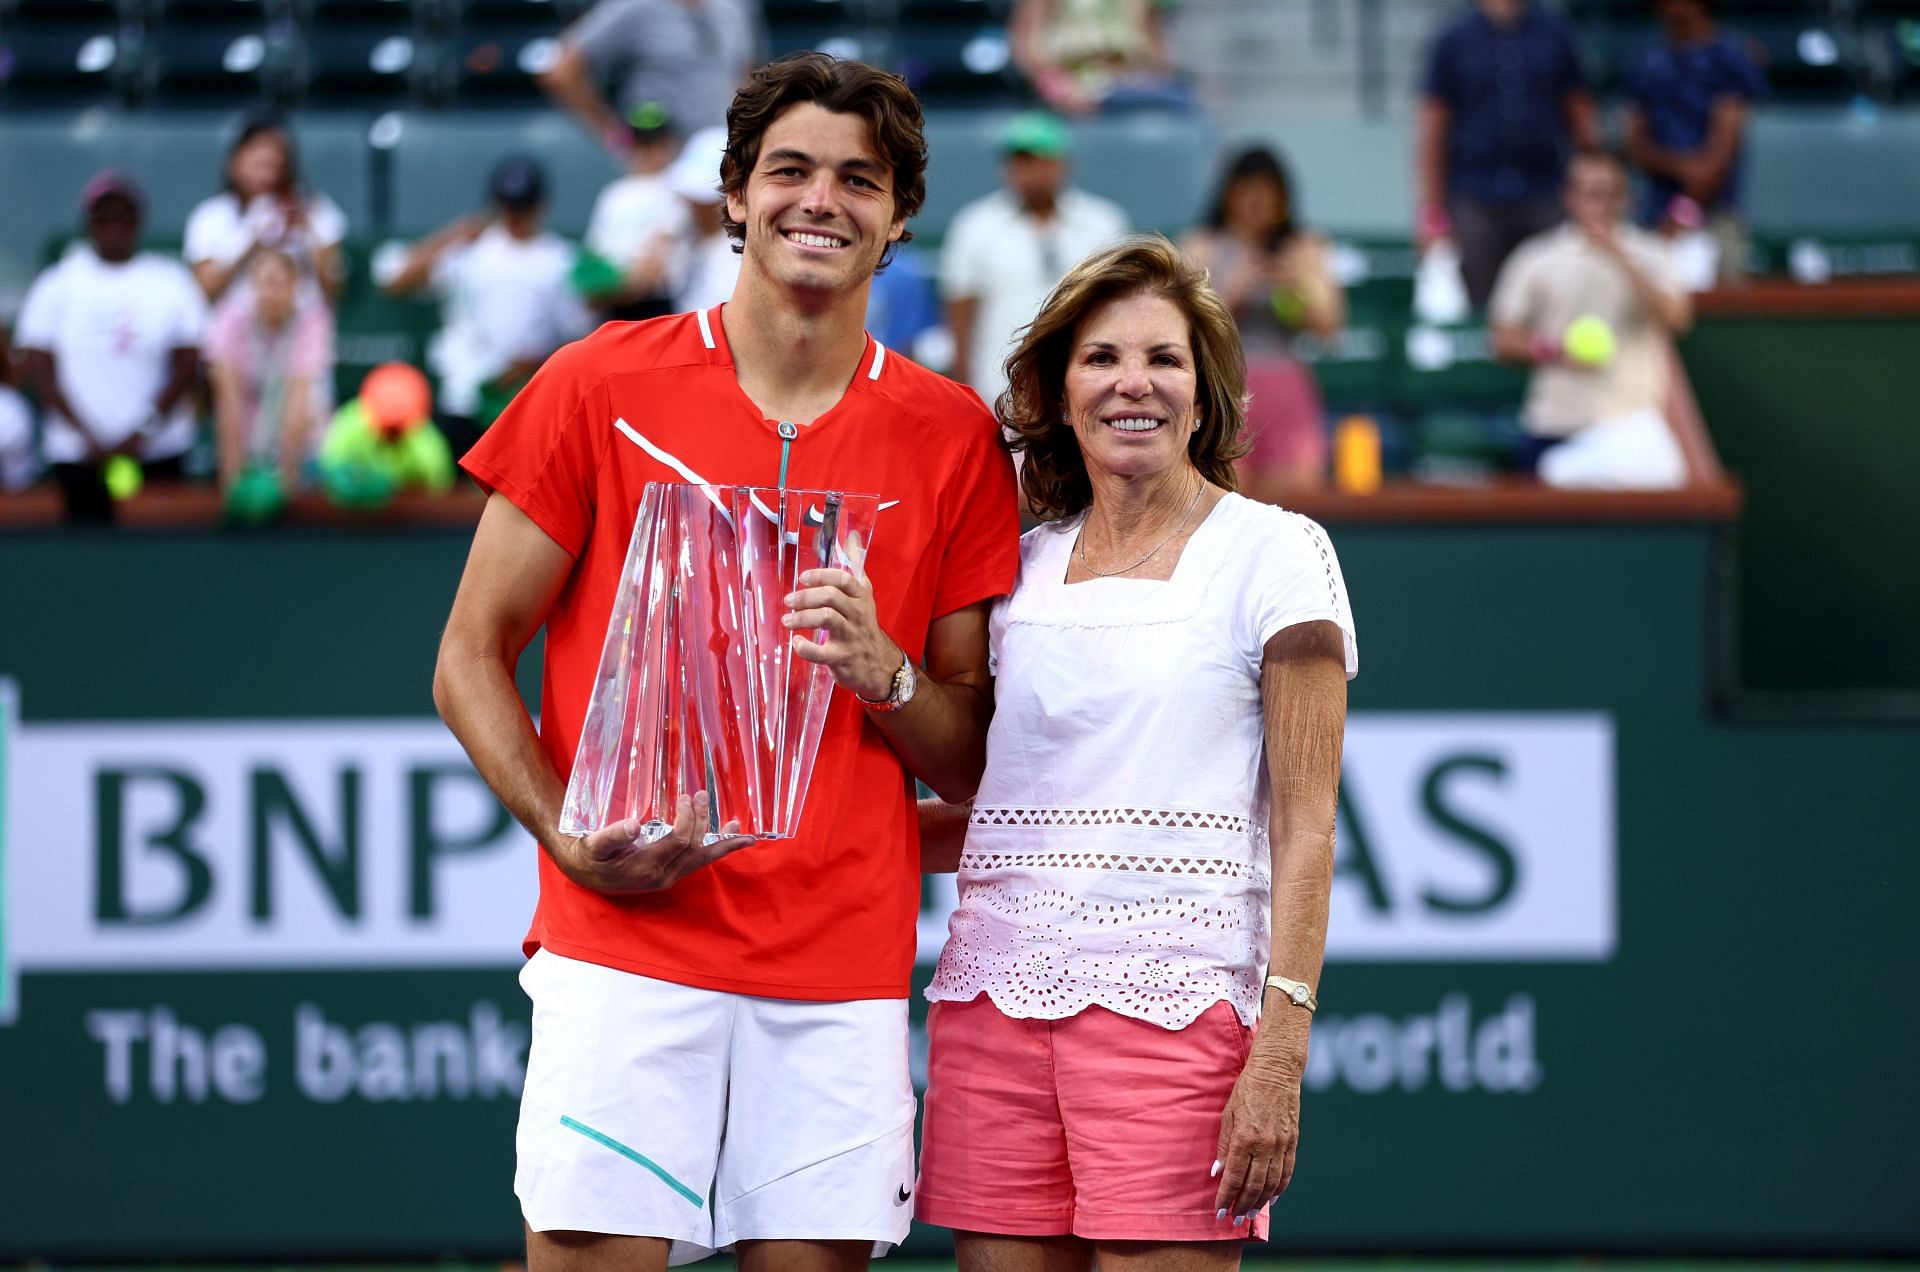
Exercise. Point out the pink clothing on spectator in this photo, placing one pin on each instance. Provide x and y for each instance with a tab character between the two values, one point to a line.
266	359
1286	422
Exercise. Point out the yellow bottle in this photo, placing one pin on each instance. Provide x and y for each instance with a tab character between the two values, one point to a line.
1356	455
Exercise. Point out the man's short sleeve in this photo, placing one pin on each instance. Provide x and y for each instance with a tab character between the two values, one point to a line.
1740	75
604	36
1513	303
1293	577
962	264
39	323
545	449
1439	82
982	552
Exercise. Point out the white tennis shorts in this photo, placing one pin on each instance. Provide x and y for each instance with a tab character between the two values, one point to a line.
660	1110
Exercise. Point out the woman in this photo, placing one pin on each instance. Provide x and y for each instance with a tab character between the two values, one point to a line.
1106	1067
272	361
1275	279
263	205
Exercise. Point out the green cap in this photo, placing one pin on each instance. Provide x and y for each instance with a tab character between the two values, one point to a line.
1035	132
649	120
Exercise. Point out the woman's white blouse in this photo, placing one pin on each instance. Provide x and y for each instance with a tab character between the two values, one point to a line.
1117	852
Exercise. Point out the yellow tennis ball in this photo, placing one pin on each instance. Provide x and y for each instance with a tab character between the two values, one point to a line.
123	476
1589	341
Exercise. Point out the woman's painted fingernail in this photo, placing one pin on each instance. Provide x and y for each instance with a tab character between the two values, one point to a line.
1222	1214
1239	1219
1215	1172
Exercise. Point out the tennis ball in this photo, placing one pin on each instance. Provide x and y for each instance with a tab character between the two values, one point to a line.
1289	306
1589	341
123	476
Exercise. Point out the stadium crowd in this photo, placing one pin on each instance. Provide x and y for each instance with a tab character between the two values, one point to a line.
138	366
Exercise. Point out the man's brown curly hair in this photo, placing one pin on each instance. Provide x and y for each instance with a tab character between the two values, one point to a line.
836	84
1033	409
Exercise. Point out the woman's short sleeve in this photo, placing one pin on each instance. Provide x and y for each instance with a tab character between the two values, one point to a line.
214	232
1290	576
326	222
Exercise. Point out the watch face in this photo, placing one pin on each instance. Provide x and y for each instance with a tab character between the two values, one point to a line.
1300	994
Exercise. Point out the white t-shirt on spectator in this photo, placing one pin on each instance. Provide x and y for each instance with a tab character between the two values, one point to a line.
112	330
630	214
504	300
998	254
1117	850
16	440
221	229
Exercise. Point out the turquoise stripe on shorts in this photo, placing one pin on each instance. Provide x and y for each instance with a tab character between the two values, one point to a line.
666	1177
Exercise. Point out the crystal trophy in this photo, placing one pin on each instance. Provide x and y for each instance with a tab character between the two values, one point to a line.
699	688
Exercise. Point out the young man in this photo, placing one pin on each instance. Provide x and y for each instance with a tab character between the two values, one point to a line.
506	299
719	1049
1593	307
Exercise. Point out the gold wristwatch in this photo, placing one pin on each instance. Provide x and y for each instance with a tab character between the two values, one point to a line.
1299	993
904	683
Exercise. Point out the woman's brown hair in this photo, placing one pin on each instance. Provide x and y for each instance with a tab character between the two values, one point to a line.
1033	409
836	84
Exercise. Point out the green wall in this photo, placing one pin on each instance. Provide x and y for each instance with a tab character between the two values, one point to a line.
1818	418
1738	1074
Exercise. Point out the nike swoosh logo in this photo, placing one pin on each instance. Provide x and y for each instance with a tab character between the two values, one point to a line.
905	1193
817	517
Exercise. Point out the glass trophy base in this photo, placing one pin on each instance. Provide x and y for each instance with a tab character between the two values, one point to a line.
653	831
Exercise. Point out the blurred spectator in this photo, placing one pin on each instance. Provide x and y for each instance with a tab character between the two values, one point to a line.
381	442
507	301
264	205
1274	277
1592	305
687	55
1005	251
271	363
17	461
709	264
1087	55
1503	104
112	336
639	225
903	309
1687	102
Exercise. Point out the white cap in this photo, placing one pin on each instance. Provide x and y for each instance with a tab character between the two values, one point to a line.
695	175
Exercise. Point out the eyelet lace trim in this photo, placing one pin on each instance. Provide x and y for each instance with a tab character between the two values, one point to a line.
1168	818
1219	867
1048	953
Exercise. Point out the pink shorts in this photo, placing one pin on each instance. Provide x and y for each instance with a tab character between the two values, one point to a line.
1098	1125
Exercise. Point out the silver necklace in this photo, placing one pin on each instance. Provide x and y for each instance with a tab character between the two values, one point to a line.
1080	540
